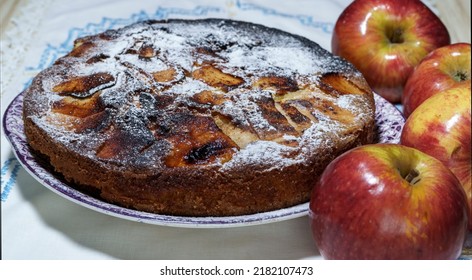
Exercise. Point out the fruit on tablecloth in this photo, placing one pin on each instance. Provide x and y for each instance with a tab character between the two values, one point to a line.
441	127
387	201
443	68
386	39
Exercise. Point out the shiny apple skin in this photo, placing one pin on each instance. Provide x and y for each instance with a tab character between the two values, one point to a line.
441	127
362	32
363	208
437	72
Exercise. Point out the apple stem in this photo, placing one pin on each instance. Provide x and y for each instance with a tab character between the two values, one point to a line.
461	76
395	35
413	177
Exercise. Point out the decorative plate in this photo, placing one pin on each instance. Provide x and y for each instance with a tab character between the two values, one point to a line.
389	123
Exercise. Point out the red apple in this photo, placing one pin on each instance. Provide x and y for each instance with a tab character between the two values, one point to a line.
441	127
443	68
386	39
387	201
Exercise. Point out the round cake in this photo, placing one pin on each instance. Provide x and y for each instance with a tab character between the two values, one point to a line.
204	117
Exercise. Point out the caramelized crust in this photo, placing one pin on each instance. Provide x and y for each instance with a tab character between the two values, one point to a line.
197	117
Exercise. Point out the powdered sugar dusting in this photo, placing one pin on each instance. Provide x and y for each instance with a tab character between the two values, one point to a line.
156	67
283	60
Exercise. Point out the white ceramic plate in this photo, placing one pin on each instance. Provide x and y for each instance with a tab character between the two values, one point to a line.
389	123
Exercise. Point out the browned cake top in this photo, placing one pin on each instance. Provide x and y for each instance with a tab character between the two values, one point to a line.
184	93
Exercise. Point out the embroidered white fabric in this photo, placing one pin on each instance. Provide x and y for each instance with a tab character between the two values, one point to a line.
38	224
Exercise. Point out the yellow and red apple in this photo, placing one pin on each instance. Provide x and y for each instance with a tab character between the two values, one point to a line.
441	127
387	201
386	39
442	69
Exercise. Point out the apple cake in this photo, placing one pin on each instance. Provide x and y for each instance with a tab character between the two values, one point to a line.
203	117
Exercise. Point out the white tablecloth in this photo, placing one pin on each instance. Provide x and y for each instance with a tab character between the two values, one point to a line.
39	224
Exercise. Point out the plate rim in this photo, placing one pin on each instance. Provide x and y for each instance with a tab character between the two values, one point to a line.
64	190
